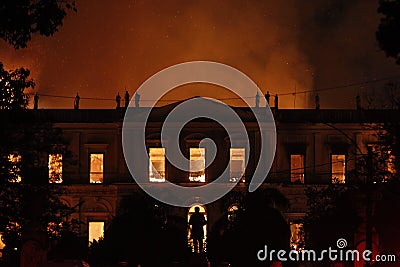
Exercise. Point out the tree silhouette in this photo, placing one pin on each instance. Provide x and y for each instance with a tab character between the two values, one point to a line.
19	20
29	206
12	87
386	178
141	233
373	185
388	33
331	215
258	223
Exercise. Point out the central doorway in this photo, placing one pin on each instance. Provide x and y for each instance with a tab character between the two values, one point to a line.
204	212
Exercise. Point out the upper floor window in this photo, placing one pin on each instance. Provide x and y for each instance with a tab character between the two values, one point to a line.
14	168
55	168
237	164
197	165
297	168
157	164
338	162
96	174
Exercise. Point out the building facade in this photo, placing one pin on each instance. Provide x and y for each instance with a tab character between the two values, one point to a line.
314	147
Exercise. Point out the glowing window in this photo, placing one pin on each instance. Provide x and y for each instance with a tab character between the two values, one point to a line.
55	168
232	213
96	231
338	169
2	245
297	168
197	165
391	169
190	213
96	168
15	168
13	227
296	236
157	164
237	164
54	229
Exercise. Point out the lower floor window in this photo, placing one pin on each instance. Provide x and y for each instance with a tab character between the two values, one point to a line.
15	168
2	245
296	236
192	243
96	231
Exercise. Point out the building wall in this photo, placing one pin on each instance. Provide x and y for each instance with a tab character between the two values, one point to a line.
316	140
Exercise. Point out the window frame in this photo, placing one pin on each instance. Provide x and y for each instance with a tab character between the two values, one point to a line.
243	178
90	166
331	167
15	165
88	229
150	163
299	226
302	181
205	162
62	169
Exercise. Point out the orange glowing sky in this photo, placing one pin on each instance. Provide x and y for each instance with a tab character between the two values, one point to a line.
281	45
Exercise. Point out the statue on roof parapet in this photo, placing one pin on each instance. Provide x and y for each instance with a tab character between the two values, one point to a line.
317	106
137	99
127	98
267	96
76	102
36	101
257	100
118	100
358	102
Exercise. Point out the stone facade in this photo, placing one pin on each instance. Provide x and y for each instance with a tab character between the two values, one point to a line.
315	134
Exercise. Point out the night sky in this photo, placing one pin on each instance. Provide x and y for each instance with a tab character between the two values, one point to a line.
282	45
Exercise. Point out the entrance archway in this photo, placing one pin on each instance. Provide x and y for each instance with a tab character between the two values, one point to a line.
190	212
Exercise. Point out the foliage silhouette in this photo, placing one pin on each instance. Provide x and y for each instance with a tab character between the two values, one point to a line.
20	19
12	87
30	207
388	33
331	215
257	224
141	234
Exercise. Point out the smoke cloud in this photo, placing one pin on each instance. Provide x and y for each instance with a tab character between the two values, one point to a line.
282	46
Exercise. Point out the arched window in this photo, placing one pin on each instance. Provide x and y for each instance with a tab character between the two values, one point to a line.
190	213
